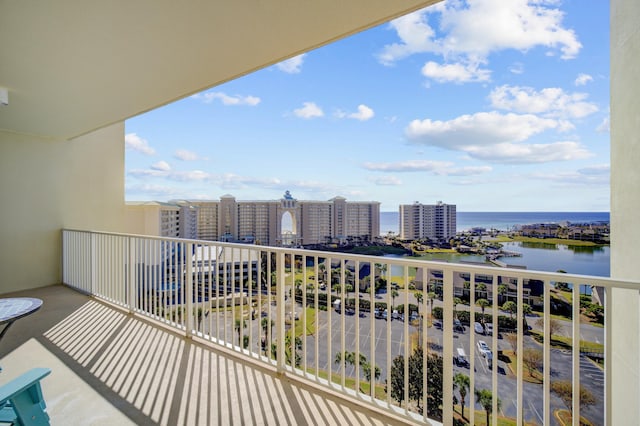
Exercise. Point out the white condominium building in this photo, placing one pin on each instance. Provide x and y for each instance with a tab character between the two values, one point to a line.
432	221
287	221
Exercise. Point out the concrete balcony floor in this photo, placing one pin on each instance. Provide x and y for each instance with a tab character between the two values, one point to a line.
111	368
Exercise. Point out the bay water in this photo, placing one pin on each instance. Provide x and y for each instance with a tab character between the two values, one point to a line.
535	256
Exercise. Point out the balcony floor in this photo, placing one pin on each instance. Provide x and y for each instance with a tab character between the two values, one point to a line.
109	368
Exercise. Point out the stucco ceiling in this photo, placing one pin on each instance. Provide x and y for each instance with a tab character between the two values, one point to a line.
75	66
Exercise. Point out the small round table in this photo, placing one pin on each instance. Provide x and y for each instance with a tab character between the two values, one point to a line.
14	308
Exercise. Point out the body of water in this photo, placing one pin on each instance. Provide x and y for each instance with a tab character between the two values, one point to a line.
505	221
535	256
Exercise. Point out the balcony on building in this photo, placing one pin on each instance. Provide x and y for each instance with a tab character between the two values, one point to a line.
121	351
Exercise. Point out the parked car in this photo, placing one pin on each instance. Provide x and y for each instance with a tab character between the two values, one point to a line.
478	328
457	326
489	328
483	348
461	359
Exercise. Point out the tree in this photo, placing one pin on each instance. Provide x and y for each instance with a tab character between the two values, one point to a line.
350	358
510	307
532	359
394	294
526	309
512	339
484	397
434	381
554	325
431	295
462	382
397	379
502	290
456	302
419	296
481	289
266	326
564	390
483	303
238	326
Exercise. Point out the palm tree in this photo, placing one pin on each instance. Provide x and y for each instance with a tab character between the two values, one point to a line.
483	303
394	294
418	295
266	325
484	397
510	307
502	290
350	359
431	295
456	302
462	382
481	288
238	326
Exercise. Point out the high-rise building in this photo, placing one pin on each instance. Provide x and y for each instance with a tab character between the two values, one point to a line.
287	221
433	221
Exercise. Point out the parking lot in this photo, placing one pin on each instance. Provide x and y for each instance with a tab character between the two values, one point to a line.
376	335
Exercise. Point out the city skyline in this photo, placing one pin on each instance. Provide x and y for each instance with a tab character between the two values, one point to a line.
495	116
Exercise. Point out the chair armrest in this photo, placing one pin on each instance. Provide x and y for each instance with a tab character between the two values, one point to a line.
21	383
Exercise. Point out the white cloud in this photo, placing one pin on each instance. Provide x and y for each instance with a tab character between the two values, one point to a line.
455	73
583	79
552	102
510	153
416	36
136	143
408	166
471	30
293	65
386	181
147	189
604	126
485	26
588	176
309	110
466	171
440	168
598	169
483	128
175	175
497	138
185	155
364	113
161	165
209	97
517	68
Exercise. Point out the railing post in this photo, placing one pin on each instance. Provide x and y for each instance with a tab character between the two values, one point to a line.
93	272
131	296
280	320
447	346
189	258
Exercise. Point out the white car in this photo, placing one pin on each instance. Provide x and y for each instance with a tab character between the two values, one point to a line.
483	348
478	328
489	327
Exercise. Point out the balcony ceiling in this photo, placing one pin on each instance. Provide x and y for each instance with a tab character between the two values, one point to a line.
74	66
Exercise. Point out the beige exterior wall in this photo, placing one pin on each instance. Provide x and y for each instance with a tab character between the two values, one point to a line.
625	204
47	185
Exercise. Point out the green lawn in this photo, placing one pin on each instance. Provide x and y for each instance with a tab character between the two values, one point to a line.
576	243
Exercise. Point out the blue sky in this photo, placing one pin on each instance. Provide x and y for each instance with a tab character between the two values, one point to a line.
491	105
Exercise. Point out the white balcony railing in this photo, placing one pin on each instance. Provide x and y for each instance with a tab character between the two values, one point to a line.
279	306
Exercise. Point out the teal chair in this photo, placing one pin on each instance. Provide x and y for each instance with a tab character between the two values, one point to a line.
21	400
